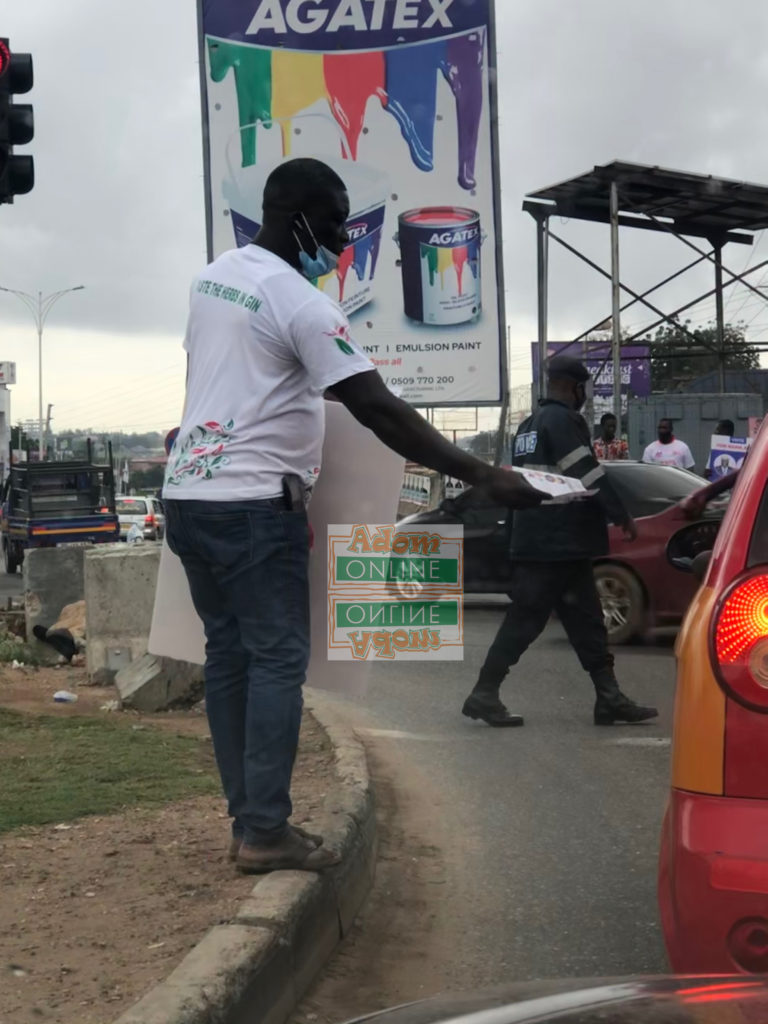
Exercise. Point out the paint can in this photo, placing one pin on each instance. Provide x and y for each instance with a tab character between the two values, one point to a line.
440	264
352	284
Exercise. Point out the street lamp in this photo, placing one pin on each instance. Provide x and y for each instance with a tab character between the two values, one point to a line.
40	306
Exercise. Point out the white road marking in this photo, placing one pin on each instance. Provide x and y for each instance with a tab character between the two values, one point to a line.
642	741
395	734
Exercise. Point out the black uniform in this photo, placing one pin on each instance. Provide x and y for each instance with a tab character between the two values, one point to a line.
553	546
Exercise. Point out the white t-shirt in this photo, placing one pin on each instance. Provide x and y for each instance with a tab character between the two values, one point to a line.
676	453
263	345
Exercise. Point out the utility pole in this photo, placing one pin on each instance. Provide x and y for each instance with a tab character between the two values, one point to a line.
615	304
40	306
47	429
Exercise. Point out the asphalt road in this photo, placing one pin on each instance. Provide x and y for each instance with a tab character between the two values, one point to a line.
556	824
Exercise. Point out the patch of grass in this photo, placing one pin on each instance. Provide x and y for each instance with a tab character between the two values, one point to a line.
58	769
13	648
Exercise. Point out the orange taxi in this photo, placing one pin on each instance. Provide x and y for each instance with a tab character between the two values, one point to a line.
713	869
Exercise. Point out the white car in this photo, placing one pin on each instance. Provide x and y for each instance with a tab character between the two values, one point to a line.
144	512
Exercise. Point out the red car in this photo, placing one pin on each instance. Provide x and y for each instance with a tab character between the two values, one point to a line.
713	867
638	585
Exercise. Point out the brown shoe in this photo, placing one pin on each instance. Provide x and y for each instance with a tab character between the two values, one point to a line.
237	842
291	853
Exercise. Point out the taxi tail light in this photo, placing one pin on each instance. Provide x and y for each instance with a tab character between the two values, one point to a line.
739	643
149	520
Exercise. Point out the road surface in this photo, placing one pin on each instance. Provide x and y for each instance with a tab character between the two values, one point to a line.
545	837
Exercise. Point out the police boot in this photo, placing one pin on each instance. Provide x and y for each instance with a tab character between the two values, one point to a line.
484	702
612	705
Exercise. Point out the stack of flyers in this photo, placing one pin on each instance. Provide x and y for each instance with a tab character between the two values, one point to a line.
561	489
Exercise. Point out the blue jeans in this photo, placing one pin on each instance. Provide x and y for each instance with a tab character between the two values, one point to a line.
246	562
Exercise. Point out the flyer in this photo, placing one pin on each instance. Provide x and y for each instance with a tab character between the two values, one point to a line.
726	455
561	489
397	97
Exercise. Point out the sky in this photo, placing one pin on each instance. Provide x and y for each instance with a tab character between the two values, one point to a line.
118	201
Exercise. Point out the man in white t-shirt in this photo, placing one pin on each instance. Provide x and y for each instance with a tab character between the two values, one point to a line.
263	345
668	450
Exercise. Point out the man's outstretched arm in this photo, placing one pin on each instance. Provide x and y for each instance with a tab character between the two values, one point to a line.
403	430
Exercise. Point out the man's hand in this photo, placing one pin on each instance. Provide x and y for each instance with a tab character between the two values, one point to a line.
693	506
511	489
629	529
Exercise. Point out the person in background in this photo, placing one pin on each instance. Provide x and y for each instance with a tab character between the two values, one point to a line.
668	450
608	447
552	548
724	428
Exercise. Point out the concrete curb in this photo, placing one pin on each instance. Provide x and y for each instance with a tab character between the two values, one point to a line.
258	966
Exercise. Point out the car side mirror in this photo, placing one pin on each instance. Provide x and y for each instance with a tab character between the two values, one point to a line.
690	549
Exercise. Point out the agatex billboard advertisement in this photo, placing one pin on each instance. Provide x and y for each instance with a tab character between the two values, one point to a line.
397	96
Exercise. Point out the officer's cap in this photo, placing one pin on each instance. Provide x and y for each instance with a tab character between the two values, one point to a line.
567	368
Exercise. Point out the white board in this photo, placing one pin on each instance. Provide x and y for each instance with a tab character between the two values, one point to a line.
359	483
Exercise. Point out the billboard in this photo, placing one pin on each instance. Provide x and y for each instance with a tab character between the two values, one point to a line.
396	96
635	370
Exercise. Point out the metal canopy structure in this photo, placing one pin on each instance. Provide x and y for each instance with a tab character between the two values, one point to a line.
654	199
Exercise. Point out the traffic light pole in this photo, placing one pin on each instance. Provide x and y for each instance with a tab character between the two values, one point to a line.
40	306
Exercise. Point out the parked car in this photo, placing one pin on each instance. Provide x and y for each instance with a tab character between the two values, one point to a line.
713	867
637	584
145	512
661	1000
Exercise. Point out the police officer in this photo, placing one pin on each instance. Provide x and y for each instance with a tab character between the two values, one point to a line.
552	549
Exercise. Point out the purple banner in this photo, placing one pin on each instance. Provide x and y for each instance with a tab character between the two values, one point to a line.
635	369
337	25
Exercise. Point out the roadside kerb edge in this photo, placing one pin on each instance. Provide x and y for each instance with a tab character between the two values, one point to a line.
258	966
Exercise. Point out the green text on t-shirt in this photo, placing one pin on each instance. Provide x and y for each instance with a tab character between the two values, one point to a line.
228	294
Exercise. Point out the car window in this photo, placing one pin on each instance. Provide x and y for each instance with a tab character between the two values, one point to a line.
131	507
476	509
647	490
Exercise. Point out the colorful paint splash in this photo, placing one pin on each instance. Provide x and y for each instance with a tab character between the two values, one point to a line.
298	83
350	80
277	85
252	69
441	259
359	256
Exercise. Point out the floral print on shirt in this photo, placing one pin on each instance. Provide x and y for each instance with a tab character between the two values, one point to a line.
202	452
342	338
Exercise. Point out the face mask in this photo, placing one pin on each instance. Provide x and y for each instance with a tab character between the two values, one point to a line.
324	260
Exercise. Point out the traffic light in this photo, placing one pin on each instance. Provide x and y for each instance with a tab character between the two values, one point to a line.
17	124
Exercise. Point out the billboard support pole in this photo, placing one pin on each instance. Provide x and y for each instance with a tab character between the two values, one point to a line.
542	278
206	140
717	245
504	411
616	303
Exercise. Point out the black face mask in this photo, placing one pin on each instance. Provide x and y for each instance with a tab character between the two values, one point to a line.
665	436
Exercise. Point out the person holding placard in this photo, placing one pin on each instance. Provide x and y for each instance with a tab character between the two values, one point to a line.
263	346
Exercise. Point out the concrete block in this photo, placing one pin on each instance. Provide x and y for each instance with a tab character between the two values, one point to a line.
120	584
155	683
53	578
236	974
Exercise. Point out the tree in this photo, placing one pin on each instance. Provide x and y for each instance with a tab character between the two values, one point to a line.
147	479
483	443
676	358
